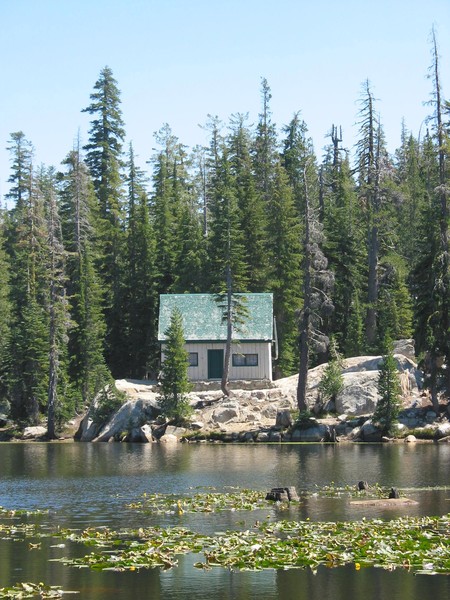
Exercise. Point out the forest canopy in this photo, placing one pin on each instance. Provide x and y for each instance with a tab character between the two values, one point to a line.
354	246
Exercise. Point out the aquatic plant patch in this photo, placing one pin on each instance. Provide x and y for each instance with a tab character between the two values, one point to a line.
420	545
242	499
417	544
349	491
33	590
200	502
19	531
136	549
20	512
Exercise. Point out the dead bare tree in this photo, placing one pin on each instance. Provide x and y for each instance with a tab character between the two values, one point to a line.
317	304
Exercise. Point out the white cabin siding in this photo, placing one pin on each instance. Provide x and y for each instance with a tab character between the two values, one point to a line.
262	371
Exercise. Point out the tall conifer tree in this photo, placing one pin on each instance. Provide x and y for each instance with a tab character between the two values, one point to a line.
265	147
5	307
79	216
140	278
285	278
29	345
251	206
344	243
104	158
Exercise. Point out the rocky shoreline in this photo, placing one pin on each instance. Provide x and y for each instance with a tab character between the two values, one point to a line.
265	412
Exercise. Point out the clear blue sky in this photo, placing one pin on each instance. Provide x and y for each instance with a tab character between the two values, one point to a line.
175	61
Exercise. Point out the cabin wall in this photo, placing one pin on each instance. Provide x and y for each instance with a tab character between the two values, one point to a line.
263	350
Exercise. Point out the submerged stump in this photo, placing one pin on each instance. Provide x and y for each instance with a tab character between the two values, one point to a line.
286	494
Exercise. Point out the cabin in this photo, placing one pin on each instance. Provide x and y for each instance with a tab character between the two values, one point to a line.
205	332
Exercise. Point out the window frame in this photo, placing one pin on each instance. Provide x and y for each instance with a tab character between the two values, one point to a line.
245	356
193	355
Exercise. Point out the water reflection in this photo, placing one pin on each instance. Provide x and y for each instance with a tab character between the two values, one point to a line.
90	484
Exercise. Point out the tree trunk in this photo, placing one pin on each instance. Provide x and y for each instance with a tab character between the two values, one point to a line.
53	369
306	314
444	266
304	359
226	366
372	295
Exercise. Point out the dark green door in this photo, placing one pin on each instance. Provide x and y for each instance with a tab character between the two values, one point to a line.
215	364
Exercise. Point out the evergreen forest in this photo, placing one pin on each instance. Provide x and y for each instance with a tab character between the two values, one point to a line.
353	244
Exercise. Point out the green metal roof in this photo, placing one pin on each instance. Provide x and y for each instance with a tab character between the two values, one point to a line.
202	317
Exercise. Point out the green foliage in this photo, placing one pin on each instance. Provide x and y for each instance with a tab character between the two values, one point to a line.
174	382
236	207
388	406
394	302
32	590
5	309
251	205
353	342
284	251
418	544
167	206
422	433
104	159
107	402
304	420
79	214
344	248
226	244
332	381
139	286
209	501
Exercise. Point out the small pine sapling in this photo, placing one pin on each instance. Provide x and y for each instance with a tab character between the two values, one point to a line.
388	406
175	384
332	381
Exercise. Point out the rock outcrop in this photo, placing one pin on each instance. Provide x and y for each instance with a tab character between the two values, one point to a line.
252	413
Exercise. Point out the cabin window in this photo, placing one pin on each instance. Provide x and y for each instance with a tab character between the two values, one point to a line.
245	360
193	359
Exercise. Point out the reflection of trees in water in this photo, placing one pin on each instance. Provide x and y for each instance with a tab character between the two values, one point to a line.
344	583
216	584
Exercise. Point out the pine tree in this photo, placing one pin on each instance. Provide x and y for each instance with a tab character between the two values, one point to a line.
298	152
226	246
369	149
285	277
59	393
388	405
410	193
332	381
21	151
265	147
79	214
190	275
169	204
175	385
5	307
104	158
140	278
344	243
227	264
26	245
394	302
378	196
354	342
442	259
251	207
317	284
430	278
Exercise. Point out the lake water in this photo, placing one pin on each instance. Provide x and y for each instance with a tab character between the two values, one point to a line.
88	485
